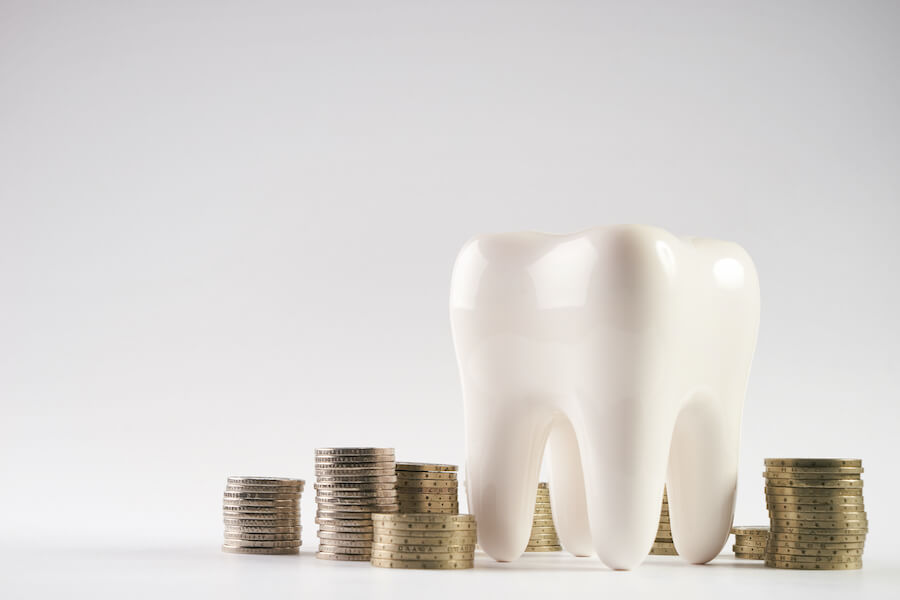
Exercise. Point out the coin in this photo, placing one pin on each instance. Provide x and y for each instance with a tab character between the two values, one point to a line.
813	462
345	515
404	497
359	479
424	548
411	491
348	508
354	487
333	547
539	530
787	550
665	551
554	541
245	550
422	506
416	540
813	491
820	537
820	523
778	477
338	501
350	530
531	548
749	556
425	476
853	470
336	459
820	515
337	556
422	564
819	545
813	559
266	537
262	530
813	508
821	531
426	519
817	484
415	466
364	451
345	543
748	549
232	543
260	502
354	472
362	521
780	564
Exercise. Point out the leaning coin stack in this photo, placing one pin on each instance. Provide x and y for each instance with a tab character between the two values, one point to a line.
427	488
423	541
262	515
663	544
750	542
816	512
543	533
351	484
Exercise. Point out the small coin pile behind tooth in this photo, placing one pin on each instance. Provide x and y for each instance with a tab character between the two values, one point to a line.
663	544
262	515
427	488
817	519
423	541
351	484
750	542
543	533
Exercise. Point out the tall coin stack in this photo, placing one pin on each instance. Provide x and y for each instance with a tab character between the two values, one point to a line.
427	488
262	515
351	484
816	512
543	533
750	542
423	541
663	544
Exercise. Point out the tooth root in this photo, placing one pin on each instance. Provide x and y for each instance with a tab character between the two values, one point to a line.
624	455
567	490
702	476
505	445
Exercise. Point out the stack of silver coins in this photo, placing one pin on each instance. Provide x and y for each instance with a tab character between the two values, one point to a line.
351	484
427	488
262	515
817	519
750	542
423	541
663	544
543	533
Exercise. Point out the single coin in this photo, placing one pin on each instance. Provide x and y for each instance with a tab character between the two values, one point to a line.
263	537
394	555
749	529
354	487
821	531
342	515
350	530
754	556
260	502
373	501
820	523
776	477
356	479
353	458
429	519
334	535
336	556
425	476
813	462
369	507
853	470
343	543
545	542
413	540
276	481
820	515
817	484
362	521
242	522
261	496
263	489
262	530
232	543
664	540
823	538
819	545
412	507
366	450
748	550
843	552
744	540
424	548
818	559
411	491
244	550
814	508
415	466
261	514
781	564
543	548
543	485
336	549
814	492
360	495
535	530
425	497
664	552
353	473
421	564
540	522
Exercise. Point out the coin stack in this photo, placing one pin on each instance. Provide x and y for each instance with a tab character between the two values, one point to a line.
663	544
816	512
750	542
351	484
543	533
262	515
427	488
423	541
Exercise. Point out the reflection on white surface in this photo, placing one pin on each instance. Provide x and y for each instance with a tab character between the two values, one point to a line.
666	257
729	273
563	274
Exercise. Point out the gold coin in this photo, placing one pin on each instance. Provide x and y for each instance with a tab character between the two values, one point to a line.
336	549
542	522
436	511
817	484
419	476
535	530
748	550
749	556
853	470
410	507
815	508
427	487
821	531
554	541
404	497
780	564
749	529
778	477
245	550
788	550
820	523
414	466
664	551
819	545
814	492
531	548
667	540
813	462
838	538
424	547
743	541
543	485
820	515
817	559
337	556
392	555
412	540
426	519
421	564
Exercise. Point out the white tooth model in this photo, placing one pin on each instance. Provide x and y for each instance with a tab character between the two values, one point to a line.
629	349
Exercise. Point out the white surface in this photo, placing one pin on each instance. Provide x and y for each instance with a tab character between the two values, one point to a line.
204	572
626	349
227	229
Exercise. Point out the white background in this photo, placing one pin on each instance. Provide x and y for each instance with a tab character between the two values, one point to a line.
226	233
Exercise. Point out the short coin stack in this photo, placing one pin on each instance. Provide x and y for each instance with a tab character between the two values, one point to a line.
423	541
262	515
543	533
663	544
351	484
750	542
816	512
427	488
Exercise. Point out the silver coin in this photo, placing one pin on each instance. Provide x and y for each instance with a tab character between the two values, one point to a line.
241	550
263	537
335	556
324	534
243	529
345	549
361	450
231	543
276	481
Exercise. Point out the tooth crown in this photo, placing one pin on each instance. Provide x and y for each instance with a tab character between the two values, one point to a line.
629	349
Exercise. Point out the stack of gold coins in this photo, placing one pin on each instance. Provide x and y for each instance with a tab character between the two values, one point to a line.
351	484
750	542
816	512
427	488
543	533
423	541
663	544
262	515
